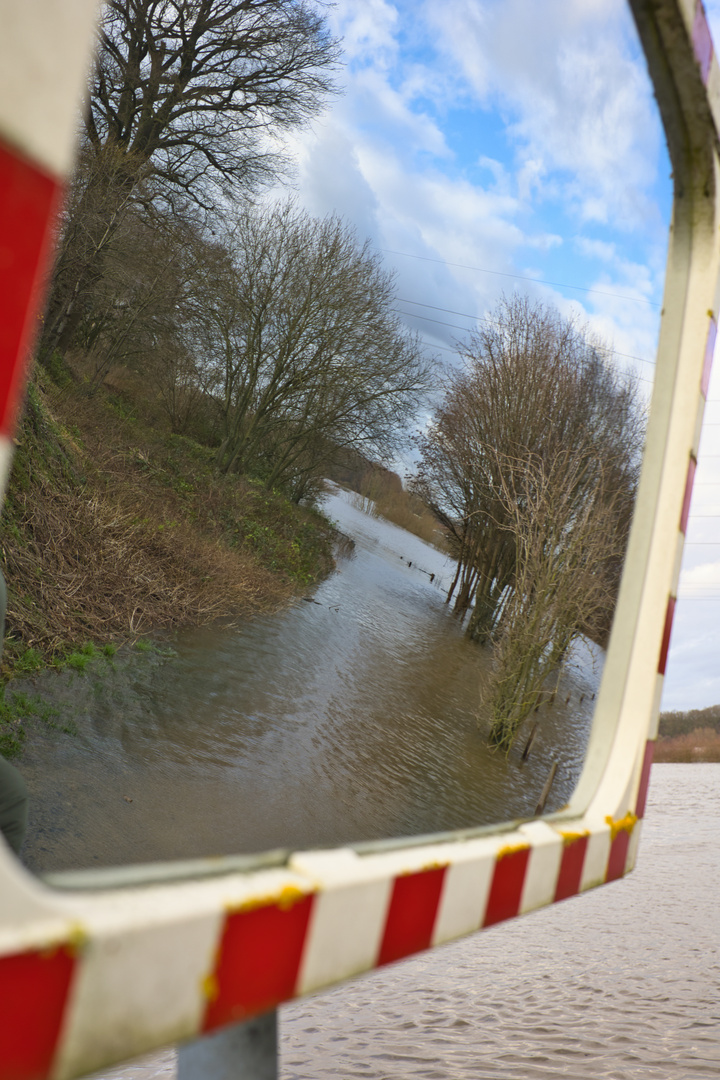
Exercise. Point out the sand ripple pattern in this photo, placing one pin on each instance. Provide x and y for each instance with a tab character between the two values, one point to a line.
623	983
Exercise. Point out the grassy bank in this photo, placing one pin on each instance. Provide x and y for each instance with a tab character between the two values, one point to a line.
114	528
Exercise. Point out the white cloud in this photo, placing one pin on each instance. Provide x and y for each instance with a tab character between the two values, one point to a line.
388	113
330	178
367	27
597	249
577	104
580	138
704	574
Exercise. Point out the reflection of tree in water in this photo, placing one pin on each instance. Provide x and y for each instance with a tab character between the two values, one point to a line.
532	464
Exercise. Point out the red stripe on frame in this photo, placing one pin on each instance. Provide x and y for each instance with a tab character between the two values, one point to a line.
667	631
702	42
258	963
709	354
644	779
411	914
507	884
618	856
571	868
34	990
689	481
28	202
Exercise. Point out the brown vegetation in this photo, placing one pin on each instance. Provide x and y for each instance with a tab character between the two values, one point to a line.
689	736
531	463
381	494
703	744
567	545
308	355
113	528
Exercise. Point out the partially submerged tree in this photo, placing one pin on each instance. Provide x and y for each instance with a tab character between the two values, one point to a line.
534	451
186	99
309	355
567	523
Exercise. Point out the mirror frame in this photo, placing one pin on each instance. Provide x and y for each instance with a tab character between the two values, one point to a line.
100	966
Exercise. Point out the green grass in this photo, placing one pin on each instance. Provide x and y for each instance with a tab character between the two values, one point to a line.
16	707
80	658
28	663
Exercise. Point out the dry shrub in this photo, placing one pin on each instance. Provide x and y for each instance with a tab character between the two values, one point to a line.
703	744
93	568
113	529
383	499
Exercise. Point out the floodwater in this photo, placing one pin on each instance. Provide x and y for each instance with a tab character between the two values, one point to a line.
350	716
622	983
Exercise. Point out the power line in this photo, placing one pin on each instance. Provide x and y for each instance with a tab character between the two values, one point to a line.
524	277
485	322
426	318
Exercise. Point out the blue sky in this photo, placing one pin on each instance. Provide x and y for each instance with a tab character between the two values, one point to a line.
487	145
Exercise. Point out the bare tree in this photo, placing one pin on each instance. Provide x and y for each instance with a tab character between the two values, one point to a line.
532	385
566	519
186	98
532	462
310	358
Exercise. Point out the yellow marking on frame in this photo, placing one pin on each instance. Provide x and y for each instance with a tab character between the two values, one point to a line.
623	824
285	899
209	987
425	869
569	838
74	943
510	849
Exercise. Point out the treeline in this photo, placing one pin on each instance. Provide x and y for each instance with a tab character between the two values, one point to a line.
531	462
682	722
265	333
689	736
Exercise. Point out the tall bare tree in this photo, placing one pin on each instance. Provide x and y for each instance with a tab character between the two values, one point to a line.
532	384
310	357
566	517
186	98
532	462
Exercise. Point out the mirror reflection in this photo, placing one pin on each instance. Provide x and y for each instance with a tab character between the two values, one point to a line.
324	483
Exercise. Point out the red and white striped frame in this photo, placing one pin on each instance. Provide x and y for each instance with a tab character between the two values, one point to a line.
44	53
92	976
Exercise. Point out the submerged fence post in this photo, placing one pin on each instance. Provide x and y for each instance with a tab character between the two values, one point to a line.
546	790
246	1051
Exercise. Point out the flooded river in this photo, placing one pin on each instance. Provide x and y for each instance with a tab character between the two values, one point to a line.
622	983
352	715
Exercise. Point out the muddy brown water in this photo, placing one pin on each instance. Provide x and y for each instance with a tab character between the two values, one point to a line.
349	716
